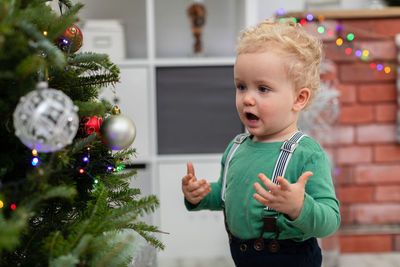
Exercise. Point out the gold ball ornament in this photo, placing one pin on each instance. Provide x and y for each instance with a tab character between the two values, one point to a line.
118	131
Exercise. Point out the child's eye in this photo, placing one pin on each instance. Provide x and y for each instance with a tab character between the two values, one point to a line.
264	89
241	87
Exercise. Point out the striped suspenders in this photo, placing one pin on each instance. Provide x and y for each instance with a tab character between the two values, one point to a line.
286	152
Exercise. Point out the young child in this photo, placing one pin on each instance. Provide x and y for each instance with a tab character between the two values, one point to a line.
272	220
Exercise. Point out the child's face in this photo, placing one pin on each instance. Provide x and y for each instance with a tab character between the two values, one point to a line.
265	96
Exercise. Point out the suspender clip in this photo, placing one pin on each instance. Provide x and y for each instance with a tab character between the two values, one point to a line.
240	138
290	146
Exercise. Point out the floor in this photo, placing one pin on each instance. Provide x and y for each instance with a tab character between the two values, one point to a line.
344	260
369	260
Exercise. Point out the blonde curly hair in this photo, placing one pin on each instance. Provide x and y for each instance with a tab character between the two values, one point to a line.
302	50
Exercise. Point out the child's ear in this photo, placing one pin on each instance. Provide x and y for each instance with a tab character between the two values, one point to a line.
301	100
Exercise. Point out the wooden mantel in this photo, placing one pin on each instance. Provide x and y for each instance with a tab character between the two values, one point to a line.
387	12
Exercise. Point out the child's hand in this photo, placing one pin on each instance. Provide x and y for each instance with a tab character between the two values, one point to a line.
286	197
193	189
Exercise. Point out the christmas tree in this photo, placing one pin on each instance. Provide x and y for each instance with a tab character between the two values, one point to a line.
62	202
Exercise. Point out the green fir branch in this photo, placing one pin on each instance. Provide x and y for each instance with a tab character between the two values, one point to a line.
125	153
111	258
143	229
83	143
54	237
60	191
122	216
68	260
92	108
30	65
125	174
101	198
82	245
124	196
99	80
42	45
11	228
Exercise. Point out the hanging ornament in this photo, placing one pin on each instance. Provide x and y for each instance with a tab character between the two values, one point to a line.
118	131
197	14
89	125
71	40
45	119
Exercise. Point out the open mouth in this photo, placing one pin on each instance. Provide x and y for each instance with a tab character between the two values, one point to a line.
251	117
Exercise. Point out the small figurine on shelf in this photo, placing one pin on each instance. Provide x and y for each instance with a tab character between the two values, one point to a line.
197	14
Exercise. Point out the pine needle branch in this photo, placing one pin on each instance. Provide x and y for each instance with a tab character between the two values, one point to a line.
83	143
115	251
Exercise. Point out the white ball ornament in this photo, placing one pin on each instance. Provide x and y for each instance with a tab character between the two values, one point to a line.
118	131
46	119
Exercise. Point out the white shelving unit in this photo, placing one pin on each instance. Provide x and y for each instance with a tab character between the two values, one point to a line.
158	35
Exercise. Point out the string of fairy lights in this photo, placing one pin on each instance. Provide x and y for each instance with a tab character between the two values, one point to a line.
362	54
35	161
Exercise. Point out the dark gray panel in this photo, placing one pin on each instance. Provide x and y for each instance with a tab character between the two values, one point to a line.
196	110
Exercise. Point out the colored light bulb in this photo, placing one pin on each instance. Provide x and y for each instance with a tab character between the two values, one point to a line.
350	37
303	22
45	33
35	161
34	152
280	11
65	41
96	181
309	17
321	29
364	58
348	51
1	204
387	69
120	167
339	27
372	65
358	53
339	41
13	206
379	67
85	159
81	170
109	168
365	53
330	33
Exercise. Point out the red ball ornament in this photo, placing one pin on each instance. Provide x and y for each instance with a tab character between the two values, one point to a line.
71	40
90	124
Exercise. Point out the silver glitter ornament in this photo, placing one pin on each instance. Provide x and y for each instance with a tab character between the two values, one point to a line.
118	131
46	119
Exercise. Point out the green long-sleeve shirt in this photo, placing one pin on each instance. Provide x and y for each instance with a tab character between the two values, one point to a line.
320	213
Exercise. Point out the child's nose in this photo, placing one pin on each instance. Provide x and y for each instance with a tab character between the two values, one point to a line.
248	99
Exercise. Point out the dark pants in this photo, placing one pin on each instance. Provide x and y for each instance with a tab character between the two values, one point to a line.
290	254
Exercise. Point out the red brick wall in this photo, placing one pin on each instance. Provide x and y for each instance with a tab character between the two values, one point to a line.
366	153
